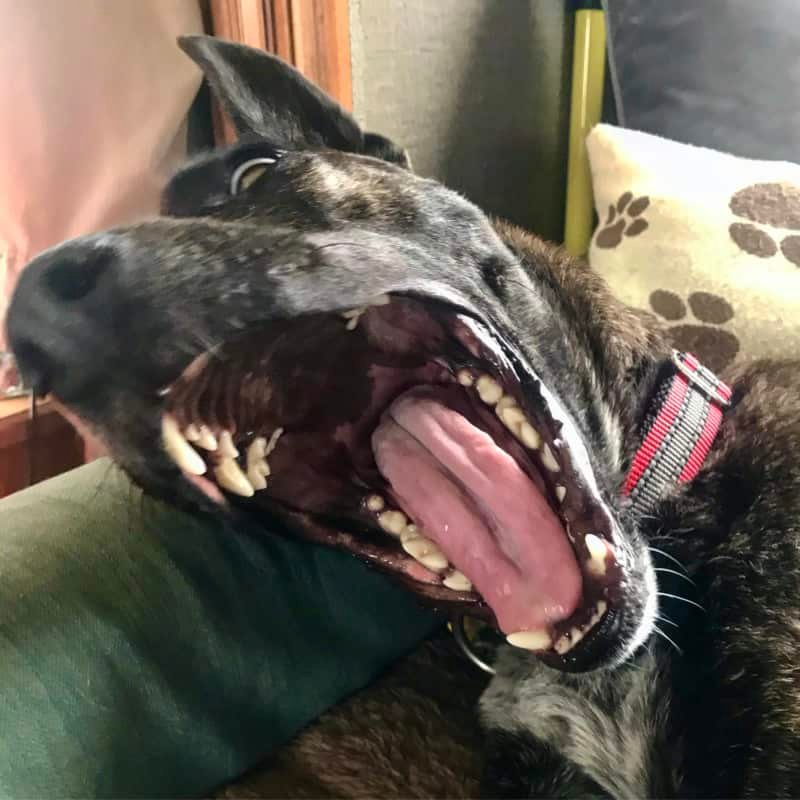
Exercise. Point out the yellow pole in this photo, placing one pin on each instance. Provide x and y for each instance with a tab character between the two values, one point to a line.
588	77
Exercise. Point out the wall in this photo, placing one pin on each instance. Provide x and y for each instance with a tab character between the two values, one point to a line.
475	90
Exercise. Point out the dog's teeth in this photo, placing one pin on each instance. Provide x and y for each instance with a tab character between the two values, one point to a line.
206	439
597	554
512	417
230	476
273	441
178	449
464	377
563	645
549	460
375	502
530	640
599	610
561	493
257	467
393	522
411	532
529	436
227	449
457	581
506	401
426	552
380	300
353	316
489	390
436	562
192	433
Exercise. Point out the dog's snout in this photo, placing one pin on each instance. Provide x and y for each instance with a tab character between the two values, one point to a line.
54	320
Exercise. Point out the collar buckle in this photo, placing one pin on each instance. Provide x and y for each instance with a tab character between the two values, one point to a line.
702	379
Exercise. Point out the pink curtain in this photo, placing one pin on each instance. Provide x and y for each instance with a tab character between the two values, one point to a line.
93	103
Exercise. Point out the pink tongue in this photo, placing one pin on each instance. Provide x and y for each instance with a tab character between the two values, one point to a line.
474	501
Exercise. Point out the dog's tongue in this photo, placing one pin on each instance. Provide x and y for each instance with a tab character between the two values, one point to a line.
476	503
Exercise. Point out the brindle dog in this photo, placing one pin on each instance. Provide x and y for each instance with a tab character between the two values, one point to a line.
314	335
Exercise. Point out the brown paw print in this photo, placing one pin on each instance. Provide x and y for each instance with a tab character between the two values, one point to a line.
775	204
624	219
714	346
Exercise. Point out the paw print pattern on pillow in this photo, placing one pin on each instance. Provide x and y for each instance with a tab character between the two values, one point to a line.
712	344
774	204
624	219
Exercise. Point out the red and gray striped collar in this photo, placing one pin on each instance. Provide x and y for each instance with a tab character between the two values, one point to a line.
678	432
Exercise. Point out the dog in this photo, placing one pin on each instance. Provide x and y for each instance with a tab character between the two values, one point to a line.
337	346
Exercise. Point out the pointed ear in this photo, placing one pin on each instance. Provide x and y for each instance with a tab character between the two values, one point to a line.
267	97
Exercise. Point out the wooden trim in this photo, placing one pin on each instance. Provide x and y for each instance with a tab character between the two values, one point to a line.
313	35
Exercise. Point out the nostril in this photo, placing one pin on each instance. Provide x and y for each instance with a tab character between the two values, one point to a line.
75	276
34	366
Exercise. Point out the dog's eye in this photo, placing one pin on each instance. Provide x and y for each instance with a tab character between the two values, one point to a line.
248	172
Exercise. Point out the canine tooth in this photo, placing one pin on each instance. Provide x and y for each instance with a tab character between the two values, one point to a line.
230	476
192	433
226	448
530	640
561	493
489	390
457	581
464	377
206	440
393	522
273	441
599	610
597	554
179	450
549	460
530	436
375	502
257	466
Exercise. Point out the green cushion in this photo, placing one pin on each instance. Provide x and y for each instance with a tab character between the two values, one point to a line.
147	653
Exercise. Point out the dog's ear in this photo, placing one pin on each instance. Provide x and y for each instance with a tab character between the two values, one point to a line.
267	97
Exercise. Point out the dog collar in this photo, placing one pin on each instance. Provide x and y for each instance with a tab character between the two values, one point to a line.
678	432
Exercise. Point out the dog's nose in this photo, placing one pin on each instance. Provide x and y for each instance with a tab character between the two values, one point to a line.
54	319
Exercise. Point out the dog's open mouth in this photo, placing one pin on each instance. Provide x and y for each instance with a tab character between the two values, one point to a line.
412	435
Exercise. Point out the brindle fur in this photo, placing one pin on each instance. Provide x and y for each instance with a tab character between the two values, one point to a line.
719	720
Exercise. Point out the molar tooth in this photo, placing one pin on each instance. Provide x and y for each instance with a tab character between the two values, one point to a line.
375	502
561	493
530	436
411	532
226	448
458	582
549	460
512	418
419	547
597	554
393	522
506	401
206	439
464	377
178	449
530	640
229	476
435	562
489	390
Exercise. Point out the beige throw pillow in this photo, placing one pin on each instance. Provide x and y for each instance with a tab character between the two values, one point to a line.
707	241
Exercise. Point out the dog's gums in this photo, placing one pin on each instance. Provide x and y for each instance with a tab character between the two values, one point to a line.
413	436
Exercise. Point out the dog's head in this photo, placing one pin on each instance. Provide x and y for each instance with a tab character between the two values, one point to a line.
313	335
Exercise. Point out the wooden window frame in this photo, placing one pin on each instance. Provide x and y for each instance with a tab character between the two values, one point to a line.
312	35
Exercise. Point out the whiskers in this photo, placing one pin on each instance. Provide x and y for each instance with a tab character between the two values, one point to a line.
664	636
